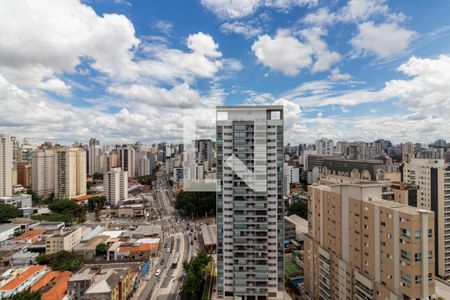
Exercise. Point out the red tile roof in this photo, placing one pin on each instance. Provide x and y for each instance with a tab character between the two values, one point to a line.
29	235
59	290
13	284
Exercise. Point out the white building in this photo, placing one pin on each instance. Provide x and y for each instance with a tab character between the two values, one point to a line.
6	165
19	200
20	279
94	157
116	185
43	171
324	146
70	177
250	207
432	177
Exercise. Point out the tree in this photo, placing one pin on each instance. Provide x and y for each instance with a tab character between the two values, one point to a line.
195	276
26	295
196	203
299	208
101	249
8	212
97	176
61	261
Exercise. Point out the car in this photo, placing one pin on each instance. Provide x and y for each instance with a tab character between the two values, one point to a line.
162	261
158	272
168	250
192	242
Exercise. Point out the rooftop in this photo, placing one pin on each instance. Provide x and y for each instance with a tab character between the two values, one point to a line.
30	235
29	272
8	226
147	230
209	233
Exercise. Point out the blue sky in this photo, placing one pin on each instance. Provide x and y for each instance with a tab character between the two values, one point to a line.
126	71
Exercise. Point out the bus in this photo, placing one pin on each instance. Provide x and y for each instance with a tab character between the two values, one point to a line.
175	259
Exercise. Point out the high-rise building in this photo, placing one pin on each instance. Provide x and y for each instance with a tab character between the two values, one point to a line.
94	157
204	152
127	156
116	185
6	165
432	178
70	177
408	151
43	172
324	146
250	208
24	174
359	246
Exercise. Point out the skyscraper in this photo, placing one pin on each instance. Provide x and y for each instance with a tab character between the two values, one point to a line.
43	172
116	185
6	165
70	179
94	157
250	208
127	156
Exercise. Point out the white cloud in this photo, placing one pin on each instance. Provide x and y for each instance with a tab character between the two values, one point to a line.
240	28
203	44
234	9
179	96
383	40
164	26
54	37
283	53
55	85
361	10
320	17
337	75
324	57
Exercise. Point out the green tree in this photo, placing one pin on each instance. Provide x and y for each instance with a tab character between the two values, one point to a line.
97	176
299	208
195	276
8	212
101	249
26	295
196	203
61	261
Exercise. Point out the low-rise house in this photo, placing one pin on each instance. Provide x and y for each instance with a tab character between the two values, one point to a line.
8	231
143	231
87	249
18	280
23	258
131	211
53	285
31	236
103	281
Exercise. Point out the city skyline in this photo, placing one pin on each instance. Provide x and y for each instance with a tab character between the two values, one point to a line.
340	75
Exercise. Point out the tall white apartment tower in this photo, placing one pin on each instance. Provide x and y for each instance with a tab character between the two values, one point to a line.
43	170
324	146
94	157
6	165
250	208
116	185
70	179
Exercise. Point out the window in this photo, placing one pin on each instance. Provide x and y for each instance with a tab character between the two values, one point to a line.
430	233
405	255
405	233
406	277
418	235
418	256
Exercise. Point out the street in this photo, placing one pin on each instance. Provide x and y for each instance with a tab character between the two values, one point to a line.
175	245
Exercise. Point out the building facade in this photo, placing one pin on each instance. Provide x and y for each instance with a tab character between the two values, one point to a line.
6	165
70	178
43	172
250	207
432	178
325	147
362	247
127	156
66	240
115	183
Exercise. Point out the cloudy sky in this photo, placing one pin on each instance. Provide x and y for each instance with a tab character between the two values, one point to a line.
126	71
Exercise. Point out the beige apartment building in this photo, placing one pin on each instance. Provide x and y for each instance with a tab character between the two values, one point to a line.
70	179
43	172
66	239
432	178
362	247
6	165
